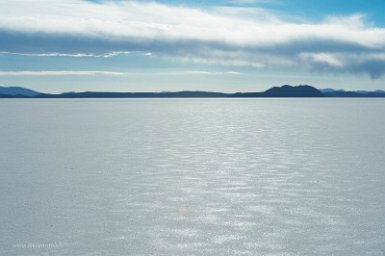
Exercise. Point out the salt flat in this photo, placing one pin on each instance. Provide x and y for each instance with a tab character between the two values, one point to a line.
192	177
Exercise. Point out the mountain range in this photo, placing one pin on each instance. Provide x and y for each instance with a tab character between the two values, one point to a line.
282	91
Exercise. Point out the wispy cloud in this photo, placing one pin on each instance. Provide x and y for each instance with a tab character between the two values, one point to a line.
87	29
59	73
246	2
371	63
199	72
108	73
77	55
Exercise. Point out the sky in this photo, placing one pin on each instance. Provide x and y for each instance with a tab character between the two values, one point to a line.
173	45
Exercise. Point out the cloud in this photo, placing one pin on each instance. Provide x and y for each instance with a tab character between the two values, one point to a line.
246	2
75	55
203	73
59	73
108	73
224	36
323	58
370	63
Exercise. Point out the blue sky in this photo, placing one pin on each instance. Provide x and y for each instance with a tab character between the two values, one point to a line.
229	45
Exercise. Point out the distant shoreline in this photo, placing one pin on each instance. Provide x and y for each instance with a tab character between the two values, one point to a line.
286	91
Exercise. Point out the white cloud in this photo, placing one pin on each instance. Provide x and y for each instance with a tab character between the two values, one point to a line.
321	57
108	73
223	36
189	73
246	2
201	72
132	20
75	55
371	63
59	73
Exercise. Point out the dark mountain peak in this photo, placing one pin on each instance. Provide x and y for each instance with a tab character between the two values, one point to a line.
293	91
17	91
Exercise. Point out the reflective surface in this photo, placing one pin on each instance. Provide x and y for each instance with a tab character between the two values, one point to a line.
192	177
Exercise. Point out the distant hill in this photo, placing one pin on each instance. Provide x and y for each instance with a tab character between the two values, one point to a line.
283	91
14	91
353	94
327	90
293	91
